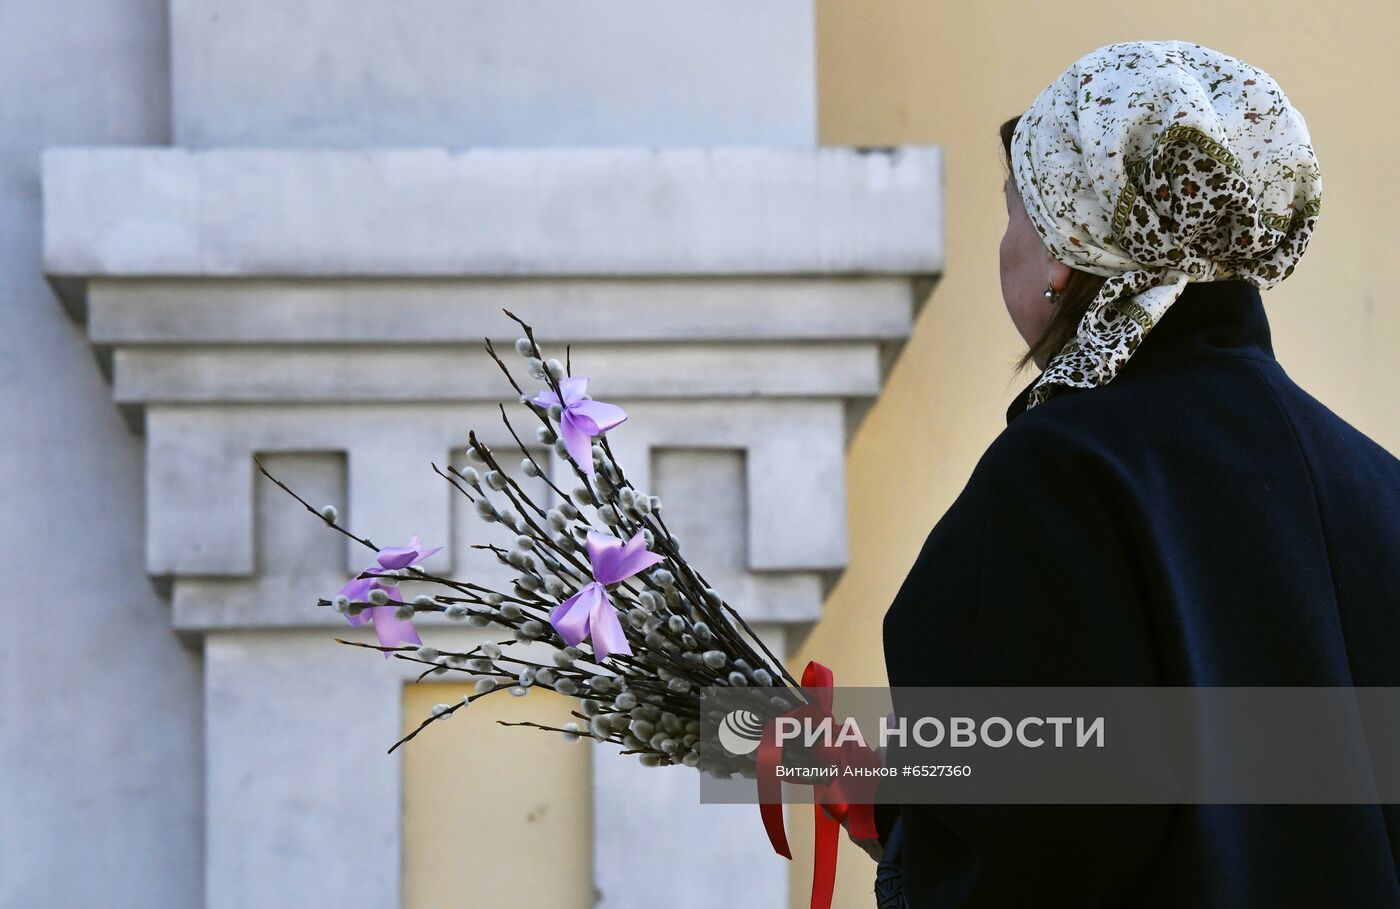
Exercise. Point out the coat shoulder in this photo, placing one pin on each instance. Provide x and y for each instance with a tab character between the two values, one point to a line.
1068	432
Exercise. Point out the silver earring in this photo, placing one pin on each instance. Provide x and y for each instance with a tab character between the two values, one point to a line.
1052	296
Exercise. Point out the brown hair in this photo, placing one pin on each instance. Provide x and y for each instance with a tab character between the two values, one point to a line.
1078	292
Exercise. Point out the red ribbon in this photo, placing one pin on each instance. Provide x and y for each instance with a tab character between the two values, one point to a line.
835	801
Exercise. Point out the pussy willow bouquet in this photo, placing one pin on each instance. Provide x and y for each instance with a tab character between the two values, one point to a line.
603	606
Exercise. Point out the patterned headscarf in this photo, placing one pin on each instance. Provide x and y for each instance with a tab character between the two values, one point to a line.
1155	163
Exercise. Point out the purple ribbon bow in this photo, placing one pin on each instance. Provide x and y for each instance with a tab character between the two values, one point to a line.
590	611
392	630
581	419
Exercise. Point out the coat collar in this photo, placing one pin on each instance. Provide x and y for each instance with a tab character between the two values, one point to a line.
1209	319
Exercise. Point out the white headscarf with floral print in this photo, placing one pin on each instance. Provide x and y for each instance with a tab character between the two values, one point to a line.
1156	163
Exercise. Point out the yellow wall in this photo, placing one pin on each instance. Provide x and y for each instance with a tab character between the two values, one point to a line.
897	72
479	797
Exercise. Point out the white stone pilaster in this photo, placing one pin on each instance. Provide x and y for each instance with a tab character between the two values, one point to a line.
304	801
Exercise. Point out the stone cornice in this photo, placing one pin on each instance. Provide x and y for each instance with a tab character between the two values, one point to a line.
491	212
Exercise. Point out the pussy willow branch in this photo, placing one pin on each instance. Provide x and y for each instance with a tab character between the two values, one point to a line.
489	460
700	579
438	716
664	540
542	534
451	710
701	602
554	386
544	474
509	378
662	697
363	541
686	592
519	494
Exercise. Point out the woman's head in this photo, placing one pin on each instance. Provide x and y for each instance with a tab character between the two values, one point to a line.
1144	166
1028	268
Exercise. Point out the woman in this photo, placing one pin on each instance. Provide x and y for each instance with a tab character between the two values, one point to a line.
1165	505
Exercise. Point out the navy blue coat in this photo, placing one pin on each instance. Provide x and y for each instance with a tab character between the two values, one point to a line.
1200	520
